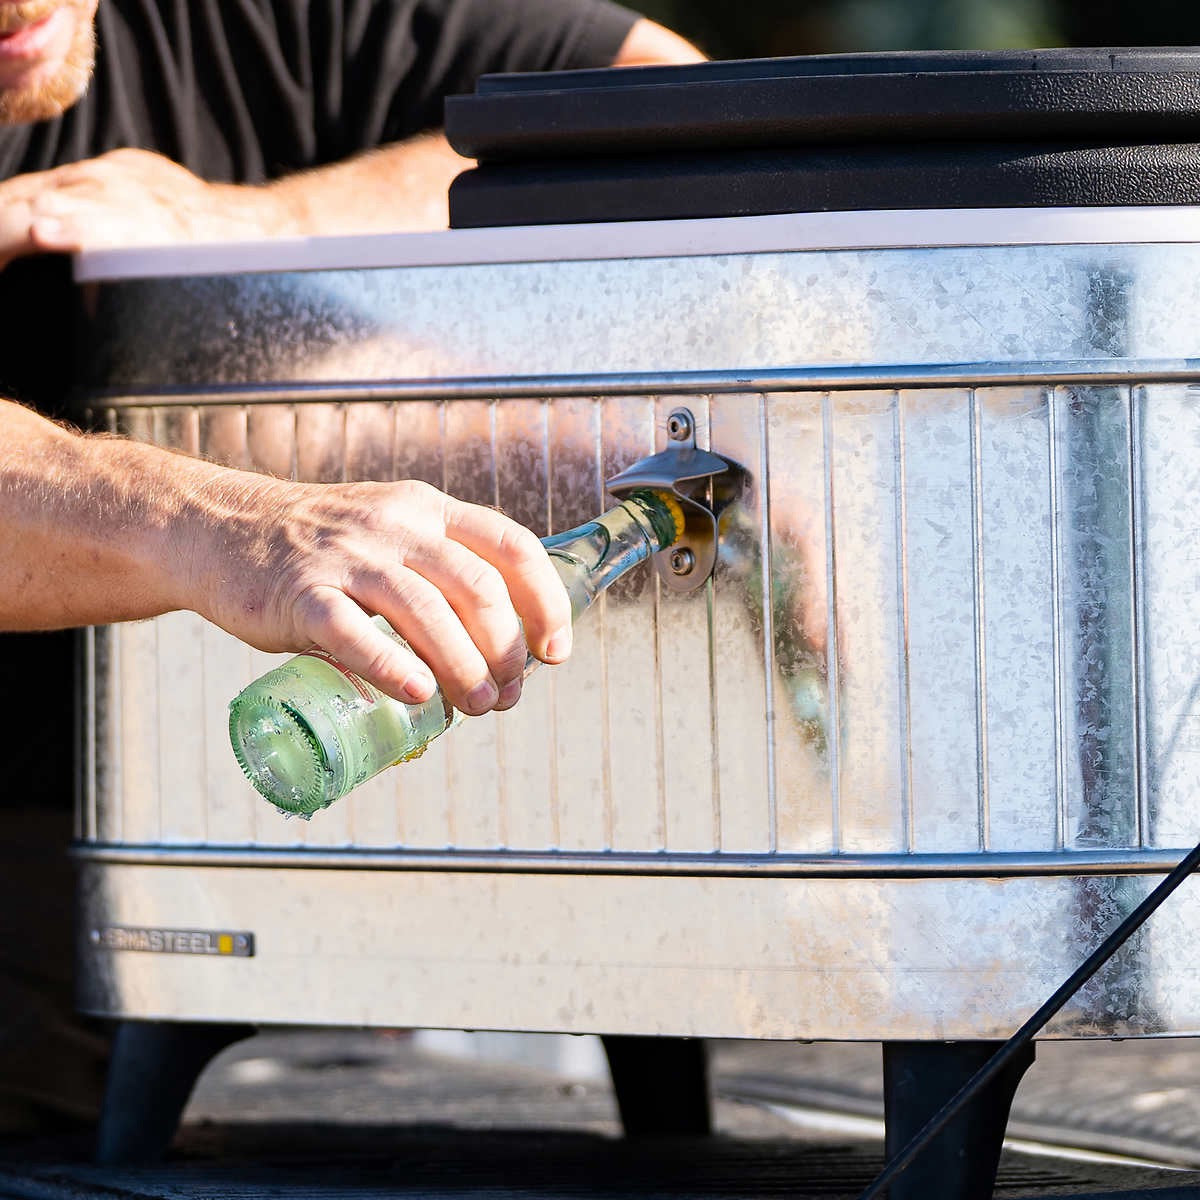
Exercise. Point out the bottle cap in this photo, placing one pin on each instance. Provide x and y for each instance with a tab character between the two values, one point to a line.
672	505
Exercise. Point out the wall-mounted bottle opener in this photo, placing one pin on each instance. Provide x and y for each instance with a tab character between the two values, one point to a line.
703	482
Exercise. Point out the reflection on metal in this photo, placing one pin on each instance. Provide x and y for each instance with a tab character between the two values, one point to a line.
932	717
763	958
750	315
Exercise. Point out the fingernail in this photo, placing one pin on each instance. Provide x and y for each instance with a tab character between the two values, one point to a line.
418	687
510	693
559	645
48	227
482	697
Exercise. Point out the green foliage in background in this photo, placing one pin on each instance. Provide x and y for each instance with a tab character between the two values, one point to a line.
758	28
753	28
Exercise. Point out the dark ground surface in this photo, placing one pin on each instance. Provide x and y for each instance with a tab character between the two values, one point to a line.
360	1116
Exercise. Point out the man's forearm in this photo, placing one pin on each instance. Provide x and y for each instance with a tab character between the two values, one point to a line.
95	529
398	188
87	524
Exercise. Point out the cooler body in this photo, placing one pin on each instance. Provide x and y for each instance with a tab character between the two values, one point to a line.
930	728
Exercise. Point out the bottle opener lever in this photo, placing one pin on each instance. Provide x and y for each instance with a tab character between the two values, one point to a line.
703	483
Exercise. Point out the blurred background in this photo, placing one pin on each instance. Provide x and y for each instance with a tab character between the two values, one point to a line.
754	28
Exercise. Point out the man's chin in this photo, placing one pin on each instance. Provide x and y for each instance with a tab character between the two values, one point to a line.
48	93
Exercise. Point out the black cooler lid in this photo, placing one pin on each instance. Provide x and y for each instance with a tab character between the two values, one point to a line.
872	131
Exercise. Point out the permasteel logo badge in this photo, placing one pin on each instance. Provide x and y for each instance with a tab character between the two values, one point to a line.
218	942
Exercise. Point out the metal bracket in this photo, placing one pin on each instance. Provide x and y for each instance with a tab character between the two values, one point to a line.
702	482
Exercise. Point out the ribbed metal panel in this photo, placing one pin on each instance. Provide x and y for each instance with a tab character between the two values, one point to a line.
945	620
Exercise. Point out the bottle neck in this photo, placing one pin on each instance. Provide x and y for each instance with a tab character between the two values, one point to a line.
591	557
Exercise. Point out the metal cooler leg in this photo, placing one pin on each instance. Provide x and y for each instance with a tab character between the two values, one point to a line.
918	1078
661	1084
153	1068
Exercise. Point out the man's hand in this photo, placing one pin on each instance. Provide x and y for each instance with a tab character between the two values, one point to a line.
284	566
128	198
96	529
137	198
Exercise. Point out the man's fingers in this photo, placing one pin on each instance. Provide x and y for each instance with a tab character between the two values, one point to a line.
421	613
66	224
57	234
70	228
124	198
455	581
330	619
479	595
537	592
37	214
25	187
16	238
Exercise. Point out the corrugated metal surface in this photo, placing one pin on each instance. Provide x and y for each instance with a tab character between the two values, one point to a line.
945	620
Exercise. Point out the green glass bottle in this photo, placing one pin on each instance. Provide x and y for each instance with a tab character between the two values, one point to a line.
310	730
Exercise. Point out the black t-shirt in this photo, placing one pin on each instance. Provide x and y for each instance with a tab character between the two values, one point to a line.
246	90
239	91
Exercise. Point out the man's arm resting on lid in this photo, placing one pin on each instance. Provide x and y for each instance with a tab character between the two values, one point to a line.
135	197
95	529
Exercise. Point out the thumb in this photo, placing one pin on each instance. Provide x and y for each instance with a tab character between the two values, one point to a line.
16	234
52	233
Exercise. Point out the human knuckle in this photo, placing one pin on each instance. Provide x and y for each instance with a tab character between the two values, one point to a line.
486	585
518	543
380	662
387	509
418	489
425	610
315	609
374	517
413	499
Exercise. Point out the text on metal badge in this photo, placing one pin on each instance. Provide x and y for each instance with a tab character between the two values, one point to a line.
217	942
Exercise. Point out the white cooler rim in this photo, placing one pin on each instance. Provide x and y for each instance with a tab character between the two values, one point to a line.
781	233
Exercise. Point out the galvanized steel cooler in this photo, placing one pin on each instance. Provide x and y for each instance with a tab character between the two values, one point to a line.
928	730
